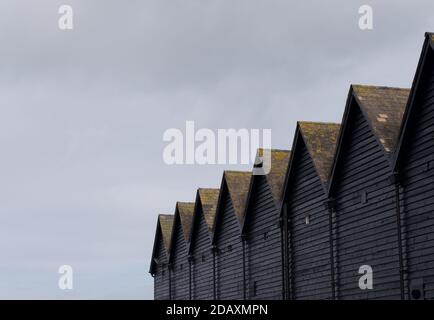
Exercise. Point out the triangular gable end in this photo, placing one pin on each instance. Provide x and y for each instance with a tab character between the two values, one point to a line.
320	140
424	68
163	231
184	216
237	185
186	210
209	200
275	178
382	108
206	202
166	224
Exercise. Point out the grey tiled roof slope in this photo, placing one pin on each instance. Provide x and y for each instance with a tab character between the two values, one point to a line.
321	140
384	108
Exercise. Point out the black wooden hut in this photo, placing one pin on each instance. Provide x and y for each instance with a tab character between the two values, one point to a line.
230	260
414	163
262	231
310	271
160	257
355	200
201	251
178	260
362	192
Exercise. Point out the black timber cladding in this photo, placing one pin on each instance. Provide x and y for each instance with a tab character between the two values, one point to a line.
160	257
227	235
179	262
374	207
416	171
364	198
309	225
262	231
201	253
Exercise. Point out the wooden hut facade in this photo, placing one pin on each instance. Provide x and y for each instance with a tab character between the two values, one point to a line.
230	248
179	262
414	165
365	209
201	250
262	230
348	214
310	265
160	257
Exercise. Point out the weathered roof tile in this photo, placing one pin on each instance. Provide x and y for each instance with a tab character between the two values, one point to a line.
185	210
320	140
209	199
238	183
166	224
279	166
384	107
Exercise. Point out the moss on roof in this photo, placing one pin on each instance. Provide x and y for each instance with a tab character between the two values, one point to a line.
238	183
384	107
320	140
166	224
279	166
185	210
209	199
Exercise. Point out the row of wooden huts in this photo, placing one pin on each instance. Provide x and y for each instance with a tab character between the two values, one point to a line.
350	195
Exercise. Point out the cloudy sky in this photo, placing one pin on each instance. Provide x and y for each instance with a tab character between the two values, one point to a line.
83	114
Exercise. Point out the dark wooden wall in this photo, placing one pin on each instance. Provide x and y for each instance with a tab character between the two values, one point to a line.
264	272
309	246
202	269
417	172
365	224
230	252
366	230
161	277
180	266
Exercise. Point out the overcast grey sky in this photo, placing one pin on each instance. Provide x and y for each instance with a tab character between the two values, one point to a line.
83	114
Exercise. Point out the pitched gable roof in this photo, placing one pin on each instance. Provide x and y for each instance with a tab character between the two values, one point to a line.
424	68
238	183
384	107
279	166
185	210
166	224
163	232
320	140
209	199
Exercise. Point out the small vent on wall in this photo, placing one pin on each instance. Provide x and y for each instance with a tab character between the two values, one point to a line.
417	291
364	197
429	163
